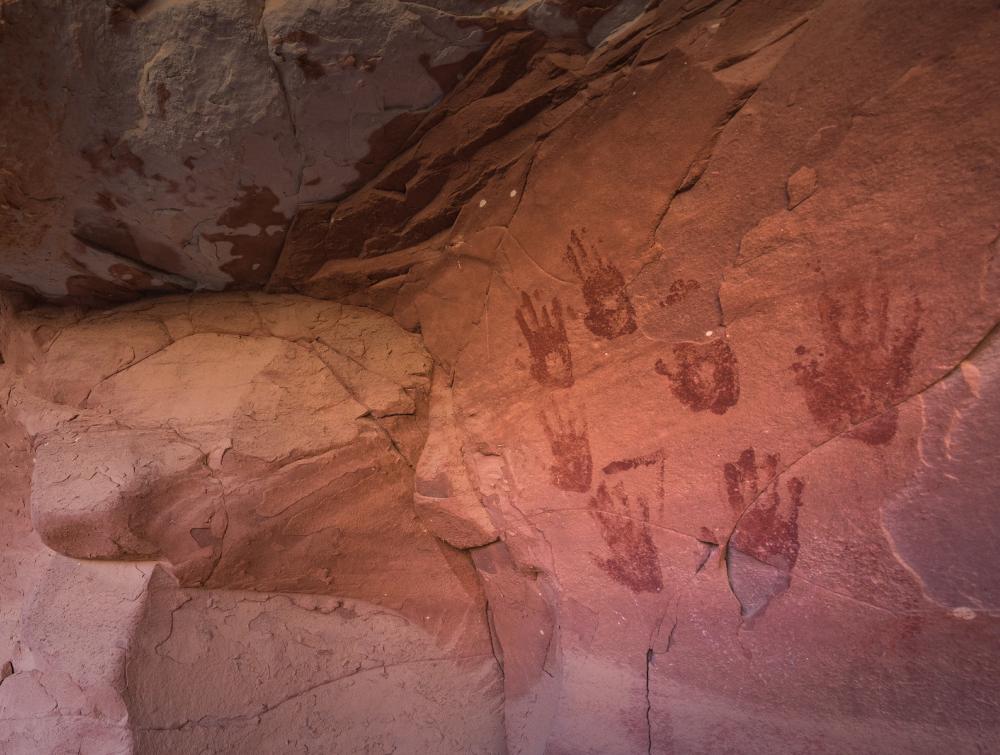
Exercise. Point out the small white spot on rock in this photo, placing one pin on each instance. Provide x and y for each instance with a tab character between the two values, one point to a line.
255	266
964	613
541	631
513	193
482	202
709	332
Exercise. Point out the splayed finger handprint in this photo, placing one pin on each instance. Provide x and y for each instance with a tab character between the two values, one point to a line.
572	464
864	368
551	362
624	525
609	310
764	545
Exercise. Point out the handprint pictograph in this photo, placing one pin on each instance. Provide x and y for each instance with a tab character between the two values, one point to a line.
609	310
679	291
706	377
551	361
865	365
572	465
769	531
767	526
624	525
745	480
764	545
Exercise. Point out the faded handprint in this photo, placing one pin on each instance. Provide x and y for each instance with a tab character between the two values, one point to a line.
769	530
570	447
609	310
745	480
624	526
864	368
764	546
551	362
679	290
707	376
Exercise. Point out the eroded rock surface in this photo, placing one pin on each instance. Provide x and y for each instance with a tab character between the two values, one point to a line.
169	148
250	442
632	390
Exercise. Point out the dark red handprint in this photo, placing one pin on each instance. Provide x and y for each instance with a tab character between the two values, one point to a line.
764	546
572	463
551	362
769	531
609	310
865	366
706	377
624	525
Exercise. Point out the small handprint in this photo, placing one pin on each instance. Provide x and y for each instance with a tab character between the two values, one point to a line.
866	365
624	526
551	362
745	480
609	310
570	447
707	376
679	290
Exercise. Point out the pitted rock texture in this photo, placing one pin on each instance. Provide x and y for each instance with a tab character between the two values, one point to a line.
646	380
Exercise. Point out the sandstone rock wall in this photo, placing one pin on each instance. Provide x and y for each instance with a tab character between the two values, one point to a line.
623	379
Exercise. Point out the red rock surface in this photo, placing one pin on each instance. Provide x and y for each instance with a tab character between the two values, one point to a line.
635	390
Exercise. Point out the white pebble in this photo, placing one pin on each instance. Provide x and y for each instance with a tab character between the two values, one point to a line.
482	202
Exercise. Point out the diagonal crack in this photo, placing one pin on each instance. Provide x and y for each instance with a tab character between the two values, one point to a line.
207	721
692	176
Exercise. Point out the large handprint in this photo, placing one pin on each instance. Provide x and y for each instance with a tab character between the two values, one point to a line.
866	363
